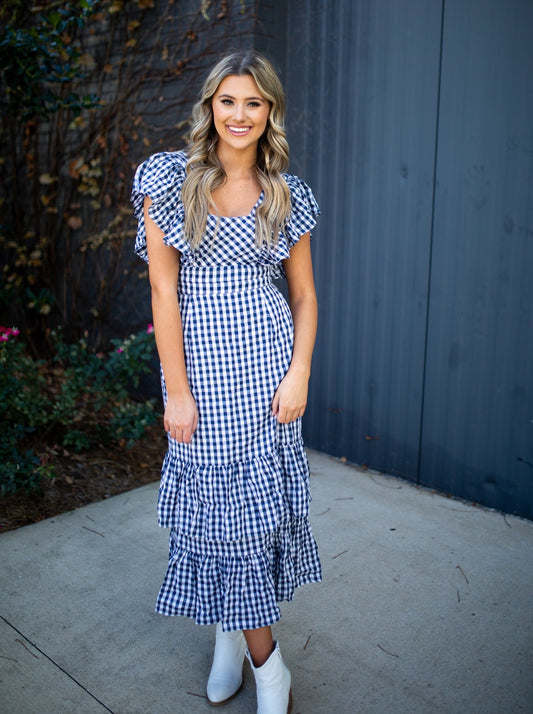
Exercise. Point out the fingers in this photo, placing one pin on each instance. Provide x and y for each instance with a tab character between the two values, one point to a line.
181	433
275	404
181	418
283	410
286	415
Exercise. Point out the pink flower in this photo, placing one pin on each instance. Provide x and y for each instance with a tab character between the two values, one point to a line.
150	329
7	332
119	349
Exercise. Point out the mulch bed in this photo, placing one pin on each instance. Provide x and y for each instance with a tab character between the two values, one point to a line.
86	478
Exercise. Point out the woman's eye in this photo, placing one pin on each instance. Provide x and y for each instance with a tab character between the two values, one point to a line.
254	104
227	102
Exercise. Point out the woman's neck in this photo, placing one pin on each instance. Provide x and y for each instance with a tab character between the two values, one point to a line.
238	164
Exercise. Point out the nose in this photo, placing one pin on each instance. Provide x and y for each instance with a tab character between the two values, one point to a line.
239	112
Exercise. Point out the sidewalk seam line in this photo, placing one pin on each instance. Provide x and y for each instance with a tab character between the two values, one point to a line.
79	684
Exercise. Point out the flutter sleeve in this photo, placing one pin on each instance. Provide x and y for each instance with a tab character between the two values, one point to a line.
304	209
161	177
304	212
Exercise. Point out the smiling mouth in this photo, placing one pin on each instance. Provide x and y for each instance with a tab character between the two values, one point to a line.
239	130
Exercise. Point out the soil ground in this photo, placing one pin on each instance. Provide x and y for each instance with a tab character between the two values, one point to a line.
86	478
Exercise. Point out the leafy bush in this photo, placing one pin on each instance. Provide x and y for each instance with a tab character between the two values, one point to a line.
77	399
23	412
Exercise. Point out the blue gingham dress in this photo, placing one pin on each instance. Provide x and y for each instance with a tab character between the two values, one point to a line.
237	498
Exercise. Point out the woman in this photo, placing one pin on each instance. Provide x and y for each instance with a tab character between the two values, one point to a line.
216	224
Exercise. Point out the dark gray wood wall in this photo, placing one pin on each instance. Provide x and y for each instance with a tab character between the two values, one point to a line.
413	122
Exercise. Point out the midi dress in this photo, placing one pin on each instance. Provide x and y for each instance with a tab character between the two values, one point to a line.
236	499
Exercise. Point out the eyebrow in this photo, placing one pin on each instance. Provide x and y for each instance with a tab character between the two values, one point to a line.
228	96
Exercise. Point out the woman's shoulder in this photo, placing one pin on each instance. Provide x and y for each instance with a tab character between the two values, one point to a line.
167	159
160	177
304	210
302	198
160	171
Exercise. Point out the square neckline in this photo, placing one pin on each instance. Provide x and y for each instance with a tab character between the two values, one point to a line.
248	215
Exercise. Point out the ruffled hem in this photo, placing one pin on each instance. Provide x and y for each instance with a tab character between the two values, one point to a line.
242	592
234	502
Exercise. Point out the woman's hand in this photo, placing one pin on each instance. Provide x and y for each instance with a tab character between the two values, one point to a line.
290	398
181	417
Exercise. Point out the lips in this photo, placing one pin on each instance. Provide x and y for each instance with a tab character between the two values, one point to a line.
239	130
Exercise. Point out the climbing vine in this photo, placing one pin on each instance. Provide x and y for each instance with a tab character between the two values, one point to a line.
87	90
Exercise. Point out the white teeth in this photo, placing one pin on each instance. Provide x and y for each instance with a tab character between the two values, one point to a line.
239	130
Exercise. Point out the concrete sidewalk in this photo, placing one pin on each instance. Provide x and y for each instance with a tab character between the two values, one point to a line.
426	606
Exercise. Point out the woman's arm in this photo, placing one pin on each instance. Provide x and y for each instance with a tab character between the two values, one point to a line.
181	414
291	396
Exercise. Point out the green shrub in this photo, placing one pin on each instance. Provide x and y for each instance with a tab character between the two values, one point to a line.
78	399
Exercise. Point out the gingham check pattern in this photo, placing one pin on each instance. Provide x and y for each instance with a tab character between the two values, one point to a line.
236	498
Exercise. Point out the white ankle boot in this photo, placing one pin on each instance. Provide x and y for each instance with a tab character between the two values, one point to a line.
273	682
225	678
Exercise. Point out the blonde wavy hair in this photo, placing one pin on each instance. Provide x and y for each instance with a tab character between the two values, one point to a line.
204	170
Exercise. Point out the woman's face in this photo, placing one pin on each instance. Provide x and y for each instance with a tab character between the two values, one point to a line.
240	113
